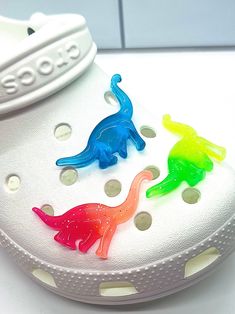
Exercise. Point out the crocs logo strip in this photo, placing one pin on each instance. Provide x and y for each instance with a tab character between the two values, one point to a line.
43	66
43	69
93	221
189	159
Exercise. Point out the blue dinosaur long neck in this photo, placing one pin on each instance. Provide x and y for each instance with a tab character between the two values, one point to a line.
124	100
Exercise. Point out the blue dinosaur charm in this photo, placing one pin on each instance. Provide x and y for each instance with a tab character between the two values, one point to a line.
109	136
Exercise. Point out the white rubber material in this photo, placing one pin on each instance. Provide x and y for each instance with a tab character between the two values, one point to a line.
43	63
152	261
156	280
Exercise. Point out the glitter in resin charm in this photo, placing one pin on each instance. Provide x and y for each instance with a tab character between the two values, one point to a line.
109	136
189	159
93	221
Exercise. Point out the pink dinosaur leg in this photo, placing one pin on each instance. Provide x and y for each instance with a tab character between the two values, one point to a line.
65	238
106	239
88	242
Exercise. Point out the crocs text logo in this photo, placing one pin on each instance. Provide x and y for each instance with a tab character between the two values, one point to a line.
43	66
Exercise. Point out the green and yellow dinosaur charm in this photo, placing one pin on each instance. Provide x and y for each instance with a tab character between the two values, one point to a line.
189	159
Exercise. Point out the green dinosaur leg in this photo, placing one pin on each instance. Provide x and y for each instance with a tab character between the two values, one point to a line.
195	175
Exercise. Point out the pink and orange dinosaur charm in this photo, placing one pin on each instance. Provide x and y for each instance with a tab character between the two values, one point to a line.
93	221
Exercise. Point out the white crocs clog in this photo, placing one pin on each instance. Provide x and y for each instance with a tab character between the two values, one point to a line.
75	214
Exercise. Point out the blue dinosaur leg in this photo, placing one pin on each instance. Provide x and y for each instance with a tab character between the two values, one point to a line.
123	149
106	159
136	138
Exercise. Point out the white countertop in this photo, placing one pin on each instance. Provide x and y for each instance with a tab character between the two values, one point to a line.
200	80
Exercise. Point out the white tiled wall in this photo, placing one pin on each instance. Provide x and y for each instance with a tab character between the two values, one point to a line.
167	23
142	23
102	15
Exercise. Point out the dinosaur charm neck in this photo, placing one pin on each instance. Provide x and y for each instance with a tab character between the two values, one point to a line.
126	210
109	136
189	159
124	101
90	222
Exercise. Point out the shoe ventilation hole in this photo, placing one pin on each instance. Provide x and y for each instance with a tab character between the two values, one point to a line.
48	209
110	98
112	188
30	31
13	183
116	289
44	277
63	132
148	131
155	171
68	176
191	195
201	261
143	221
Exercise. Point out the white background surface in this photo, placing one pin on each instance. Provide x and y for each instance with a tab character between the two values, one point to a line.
201	80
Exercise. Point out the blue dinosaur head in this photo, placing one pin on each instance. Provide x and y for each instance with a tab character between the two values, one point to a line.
116	78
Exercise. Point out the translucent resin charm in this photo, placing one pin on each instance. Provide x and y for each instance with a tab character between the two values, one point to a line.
109	136
188	160
93	221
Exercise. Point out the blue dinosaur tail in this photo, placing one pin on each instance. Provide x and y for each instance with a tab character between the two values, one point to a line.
124	100
83	159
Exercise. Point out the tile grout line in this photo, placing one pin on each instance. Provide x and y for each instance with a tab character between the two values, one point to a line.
121	24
